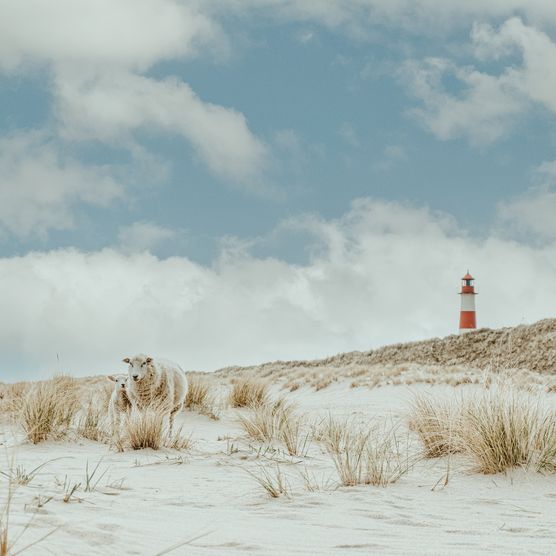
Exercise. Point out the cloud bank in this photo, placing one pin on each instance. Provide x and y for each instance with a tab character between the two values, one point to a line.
382	273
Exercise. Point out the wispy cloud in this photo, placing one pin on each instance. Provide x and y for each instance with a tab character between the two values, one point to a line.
486	106
40	186
349	135
144	236
112	106
533	212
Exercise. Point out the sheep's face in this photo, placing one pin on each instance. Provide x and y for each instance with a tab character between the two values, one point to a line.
139	367
120	381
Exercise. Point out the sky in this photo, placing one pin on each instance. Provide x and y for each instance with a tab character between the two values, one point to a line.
236	181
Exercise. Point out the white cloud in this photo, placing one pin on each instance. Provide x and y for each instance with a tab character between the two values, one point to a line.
536	78
487	105
484	110
98	53
39	187
122	33
111	106
143	236
382	273
533	212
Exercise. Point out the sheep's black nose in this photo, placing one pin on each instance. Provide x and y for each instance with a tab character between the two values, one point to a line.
135	377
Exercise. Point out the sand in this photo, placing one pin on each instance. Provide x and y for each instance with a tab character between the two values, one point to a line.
147	501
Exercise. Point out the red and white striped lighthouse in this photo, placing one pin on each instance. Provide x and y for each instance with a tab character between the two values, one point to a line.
467	317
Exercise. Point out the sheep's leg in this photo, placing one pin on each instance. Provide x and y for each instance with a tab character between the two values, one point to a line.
171	419
113	420
120	419
171	423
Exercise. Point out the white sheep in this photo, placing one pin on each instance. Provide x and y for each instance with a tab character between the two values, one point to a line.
159	383
119	404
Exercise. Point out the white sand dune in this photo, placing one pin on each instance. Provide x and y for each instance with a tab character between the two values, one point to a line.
148	501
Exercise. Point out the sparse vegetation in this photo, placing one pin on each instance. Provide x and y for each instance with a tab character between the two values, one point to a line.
272	480
49	408
69	492
312	484
277	421
11	397
364	456
498	428
248	392
332	432
437	422
92	422
16	477
19	476
200	397
197	392
180	442
264	421
294	435
504	428
145	429
93	476
5	524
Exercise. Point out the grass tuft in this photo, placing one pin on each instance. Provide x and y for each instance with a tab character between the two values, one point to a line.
248	392
145	429
365	456
277	421
272	480
200	398
49	408
11	397
92	422
499	428
180	442
437	423
505	428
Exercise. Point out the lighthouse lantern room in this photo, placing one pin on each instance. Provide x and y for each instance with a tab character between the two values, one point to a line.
467	316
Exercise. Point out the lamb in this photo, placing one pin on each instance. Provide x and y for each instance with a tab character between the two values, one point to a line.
159	383
119	404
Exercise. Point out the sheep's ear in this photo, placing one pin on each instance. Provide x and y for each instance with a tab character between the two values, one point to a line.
111	377
149	359
126	360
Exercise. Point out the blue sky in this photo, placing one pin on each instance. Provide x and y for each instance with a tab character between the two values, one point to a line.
273	179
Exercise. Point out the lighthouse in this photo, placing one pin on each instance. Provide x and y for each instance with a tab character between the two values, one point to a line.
467	317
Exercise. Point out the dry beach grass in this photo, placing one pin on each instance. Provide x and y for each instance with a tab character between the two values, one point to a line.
248	392
497	428
525	355
48	408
